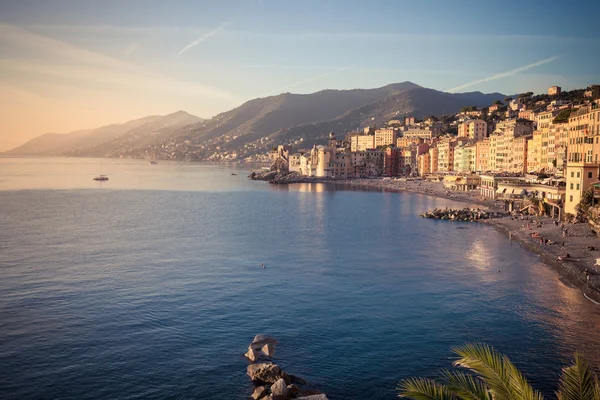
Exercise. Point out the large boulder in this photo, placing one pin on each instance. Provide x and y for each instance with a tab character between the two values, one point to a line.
279	389
268	349
264	372
262	347
261	340
297	380
293	390
252	354
260	393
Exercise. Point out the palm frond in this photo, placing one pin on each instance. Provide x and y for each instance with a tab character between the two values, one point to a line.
423	389
504	380
465	386
578	382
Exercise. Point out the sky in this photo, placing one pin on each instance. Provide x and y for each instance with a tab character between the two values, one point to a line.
74	64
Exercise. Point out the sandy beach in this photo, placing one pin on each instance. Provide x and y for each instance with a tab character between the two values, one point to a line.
571	254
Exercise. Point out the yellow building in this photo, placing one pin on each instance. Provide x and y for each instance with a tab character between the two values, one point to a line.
362	142
582	153
420	133
554	91
433	160
580	177
519	154
445	149
408	141
473	129
534	152
544	119
385	137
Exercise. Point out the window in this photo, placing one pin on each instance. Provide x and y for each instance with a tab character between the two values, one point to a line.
572	174
578	174
571	186
570	198
590	174
578	186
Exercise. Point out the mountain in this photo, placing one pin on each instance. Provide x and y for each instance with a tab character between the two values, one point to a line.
144	135
418	102
257	125
52	144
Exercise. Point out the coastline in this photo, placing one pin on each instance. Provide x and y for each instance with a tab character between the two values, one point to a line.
576	244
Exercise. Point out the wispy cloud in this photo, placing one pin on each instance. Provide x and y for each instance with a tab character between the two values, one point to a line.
132	48
59	58
504	74
204	37
307	35
312	78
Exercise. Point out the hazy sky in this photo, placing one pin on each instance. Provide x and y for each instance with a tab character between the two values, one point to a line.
71	64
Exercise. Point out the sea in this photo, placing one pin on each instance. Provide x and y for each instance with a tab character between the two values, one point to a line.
150	285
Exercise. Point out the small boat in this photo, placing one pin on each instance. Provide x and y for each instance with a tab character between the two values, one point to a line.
153	162
233	173
101	178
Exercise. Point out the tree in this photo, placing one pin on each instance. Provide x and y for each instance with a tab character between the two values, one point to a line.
492	376
524	95
587	201
562	116
497	102
507	99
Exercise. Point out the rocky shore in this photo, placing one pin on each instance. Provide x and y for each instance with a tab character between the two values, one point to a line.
285	177
270	381
465	214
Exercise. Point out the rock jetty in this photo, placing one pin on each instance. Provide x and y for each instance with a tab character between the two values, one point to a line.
285	177
271	382
466	214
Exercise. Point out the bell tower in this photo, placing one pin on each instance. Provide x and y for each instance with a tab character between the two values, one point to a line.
332	141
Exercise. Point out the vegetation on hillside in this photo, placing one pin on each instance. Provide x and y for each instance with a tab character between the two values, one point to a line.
562	116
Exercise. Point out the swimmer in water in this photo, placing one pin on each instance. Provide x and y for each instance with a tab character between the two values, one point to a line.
263	265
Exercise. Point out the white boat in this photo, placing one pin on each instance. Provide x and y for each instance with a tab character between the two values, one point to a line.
101	178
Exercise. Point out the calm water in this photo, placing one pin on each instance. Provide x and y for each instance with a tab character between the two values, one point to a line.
150	286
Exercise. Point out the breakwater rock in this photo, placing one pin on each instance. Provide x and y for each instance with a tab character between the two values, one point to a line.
466	214
285	177
271	382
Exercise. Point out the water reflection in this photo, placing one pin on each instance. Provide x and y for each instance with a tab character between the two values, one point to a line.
77	173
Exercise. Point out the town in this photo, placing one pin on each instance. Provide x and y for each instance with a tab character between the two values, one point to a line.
545	146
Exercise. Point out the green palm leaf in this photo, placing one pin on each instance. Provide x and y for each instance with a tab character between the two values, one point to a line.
505	381
465	386
578	382
423	389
